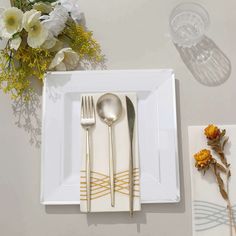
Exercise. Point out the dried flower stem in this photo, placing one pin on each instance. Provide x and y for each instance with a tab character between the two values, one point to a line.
224	193
230	210
217	144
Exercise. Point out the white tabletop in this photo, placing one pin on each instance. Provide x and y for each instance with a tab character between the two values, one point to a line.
134	35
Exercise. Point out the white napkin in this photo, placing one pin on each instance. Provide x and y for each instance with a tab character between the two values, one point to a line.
210	216
100	194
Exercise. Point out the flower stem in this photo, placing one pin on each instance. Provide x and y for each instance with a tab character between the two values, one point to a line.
230	210
225	194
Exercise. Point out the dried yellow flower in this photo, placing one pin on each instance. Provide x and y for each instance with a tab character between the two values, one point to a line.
203	159
205	162
212	132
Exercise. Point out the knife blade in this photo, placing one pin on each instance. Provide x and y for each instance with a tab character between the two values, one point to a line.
131	122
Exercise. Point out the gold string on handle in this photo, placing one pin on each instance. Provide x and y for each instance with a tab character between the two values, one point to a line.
100	184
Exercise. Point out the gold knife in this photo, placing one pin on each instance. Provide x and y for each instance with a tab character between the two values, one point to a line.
131	121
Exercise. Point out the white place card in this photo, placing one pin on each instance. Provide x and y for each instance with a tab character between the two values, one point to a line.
210	214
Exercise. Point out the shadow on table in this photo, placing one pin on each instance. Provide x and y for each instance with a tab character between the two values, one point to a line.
180	148
139	217
113	218
28	114
206	61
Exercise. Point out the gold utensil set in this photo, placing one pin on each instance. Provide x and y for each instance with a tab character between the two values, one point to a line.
109	109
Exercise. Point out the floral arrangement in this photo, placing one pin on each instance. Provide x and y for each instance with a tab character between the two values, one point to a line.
42	35
204	161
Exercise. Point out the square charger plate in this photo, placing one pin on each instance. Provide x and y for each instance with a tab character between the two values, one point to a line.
157	131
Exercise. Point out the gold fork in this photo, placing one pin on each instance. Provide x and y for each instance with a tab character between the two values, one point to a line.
87	121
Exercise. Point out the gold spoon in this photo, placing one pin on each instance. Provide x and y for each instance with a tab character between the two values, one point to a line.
109	109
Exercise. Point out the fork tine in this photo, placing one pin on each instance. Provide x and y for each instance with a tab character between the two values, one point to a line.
89	106
93	109
86	107
82	108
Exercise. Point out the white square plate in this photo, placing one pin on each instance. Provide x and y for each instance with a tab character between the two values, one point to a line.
157	130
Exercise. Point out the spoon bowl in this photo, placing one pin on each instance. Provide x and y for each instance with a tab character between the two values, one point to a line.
109	108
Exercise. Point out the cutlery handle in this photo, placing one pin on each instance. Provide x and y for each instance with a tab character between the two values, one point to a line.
111	167
131	180
88	171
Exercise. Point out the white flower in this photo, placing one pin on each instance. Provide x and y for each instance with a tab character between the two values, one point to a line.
15	43
56	21
57	47
72	6
65	59
11	22
50	42
3	43
1	20
37	33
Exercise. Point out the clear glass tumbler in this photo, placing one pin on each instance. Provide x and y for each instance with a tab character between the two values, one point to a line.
188	23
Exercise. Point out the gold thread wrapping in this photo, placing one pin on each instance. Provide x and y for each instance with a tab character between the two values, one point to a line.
100	184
